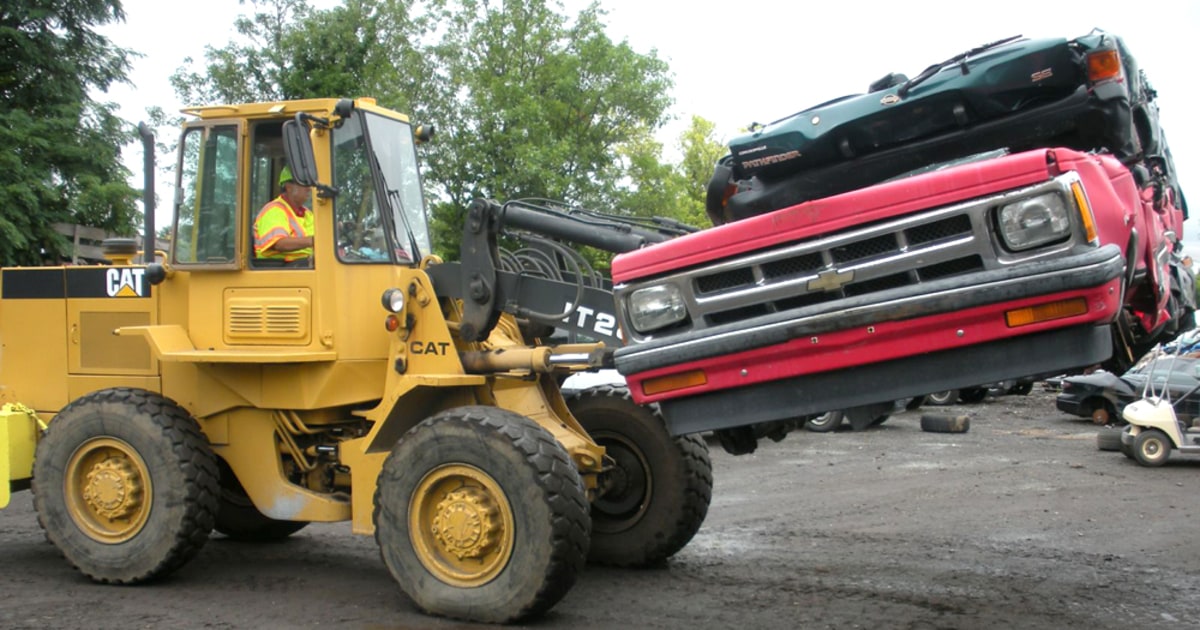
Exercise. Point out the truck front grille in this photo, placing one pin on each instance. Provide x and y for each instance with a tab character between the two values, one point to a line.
857	263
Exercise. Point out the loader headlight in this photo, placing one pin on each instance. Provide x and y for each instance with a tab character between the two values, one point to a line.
393	300
1035	221
655	307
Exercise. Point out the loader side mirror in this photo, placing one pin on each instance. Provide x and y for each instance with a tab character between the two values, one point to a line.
299	150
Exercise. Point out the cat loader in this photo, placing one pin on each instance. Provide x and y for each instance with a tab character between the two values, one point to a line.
152	400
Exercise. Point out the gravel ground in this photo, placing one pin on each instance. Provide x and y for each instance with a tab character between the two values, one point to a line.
1019	523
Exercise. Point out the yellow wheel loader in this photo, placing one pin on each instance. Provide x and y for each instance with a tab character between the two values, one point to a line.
148	403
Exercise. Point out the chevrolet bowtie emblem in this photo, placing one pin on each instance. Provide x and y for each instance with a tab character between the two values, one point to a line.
830	280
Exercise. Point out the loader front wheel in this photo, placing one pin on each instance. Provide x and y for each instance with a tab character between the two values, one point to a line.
481	515
656	494
125	485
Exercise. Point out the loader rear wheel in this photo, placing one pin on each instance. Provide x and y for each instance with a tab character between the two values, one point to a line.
125	485
238	519
656	495
481	515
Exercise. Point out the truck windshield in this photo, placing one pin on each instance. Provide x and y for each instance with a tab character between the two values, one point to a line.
370	229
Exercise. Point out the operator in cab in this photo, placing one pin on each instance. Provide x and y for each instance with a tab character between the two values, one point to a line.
283	229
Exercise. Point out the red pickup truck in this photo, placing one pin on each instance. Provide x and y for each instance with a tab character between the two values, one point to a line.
989	219
1004	267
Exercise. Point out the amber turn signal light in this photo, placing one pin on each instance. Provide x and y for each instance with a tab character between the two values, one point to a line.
673	382
1046	312
1103	65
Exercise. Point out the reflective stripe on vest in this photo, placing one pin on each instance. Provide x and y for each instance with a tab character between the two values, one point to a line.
276	232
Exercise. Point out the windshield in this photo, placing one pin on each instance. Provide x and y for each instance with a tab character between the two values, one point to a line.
397	230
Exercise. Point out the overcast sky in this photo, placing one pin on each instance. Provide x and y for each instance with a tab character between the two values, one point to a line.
742	61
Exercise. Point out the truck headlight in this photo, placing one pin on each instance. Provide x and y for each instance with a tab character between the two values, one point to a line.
654	307
1035	221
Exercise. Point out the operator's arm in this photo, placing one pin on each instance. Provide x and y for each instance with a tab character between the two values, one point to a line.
292	243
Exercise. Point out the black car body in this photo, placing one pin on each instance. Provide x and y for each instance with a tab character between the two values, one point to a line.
1102	395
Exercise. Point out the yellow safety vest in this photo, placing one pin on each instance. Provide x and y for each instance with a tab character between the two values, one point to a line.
277	220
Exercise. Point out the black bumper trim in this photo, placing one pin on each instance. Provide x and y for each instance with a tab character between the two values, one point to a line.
1051	352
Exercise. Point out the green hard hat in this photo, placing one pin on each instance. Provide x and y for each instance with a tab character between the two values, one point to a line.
285	175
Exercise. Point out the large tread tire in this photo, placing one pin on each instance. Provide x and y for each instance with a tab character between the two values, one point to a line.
238	519
125	485
826	422
481	515
661	486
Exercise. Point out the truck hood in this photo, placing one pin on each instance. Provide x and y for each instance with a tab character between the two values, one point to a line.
853	209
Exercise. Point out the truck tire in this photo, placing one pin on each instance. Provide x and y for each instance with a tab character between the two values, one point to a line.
945	424
481	515
826	422
972	395
238	519
1108	440
656	496
948	397
125	485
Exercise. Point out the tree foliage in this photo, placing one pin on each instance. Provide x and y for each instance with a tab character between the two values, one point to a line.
528	101
61	160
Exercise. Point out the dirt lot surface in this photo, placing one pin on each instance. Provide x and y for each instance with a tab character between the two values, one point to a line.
1019	523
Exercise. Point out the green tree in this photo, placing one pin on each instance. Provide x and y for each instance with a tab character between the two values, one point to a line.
287	50
533	103
528	102
660	188
61	161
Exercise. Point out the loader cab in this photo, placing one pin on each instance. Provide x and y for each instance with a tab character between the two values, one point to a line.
372	182
360	163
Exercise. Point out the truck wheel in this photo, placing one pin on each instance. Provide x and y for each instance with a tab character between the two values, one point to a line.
826	422
125	485
481	515
972	395
238	519
948	397
1151	448
656	496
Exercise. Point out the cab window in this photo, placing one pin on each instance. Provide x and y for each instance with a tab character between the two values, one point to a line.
206	201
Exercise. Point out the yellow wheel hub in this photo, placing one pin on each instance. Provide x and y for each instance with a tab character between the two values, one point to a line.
107	487
461	525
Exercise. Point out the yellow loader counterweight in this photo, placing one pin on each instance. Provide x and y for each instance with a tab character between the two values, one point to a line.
212	388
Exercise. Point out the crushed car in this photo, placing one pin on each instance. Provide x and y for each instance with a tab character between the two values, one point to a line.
1102	395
